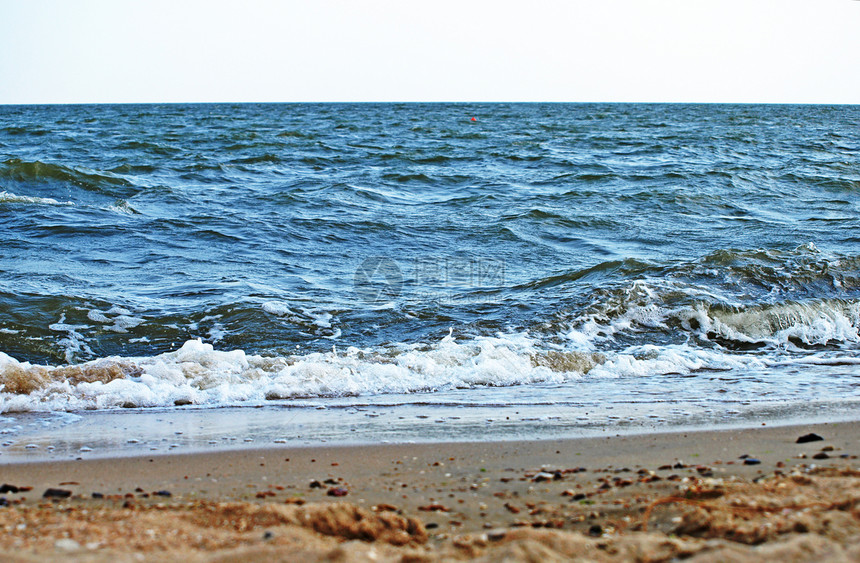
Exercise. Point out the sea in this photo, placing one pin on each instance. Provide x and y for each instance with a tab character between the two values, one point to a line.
208	276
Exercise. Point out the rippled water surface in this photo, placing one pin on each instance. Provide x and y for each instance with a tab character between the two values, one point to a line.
666	261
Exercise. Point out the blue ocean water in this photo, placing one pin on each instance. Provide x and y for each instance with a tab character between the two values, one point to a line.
666	261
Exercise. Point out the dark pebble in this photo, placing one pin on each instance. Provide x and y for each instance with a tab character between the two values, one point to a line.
163	494
812	437
267	535
595	530
338	492
431	525
557	476
7	488
751	461
578	496
98	495
821	455
3	501
56	493
316	485
330	482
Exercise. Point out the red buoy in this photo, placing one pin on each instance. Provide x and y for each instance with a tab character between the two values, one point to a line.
474	119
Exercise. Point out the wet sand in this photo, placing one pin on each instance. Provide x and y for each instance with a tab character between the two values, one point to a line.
753	494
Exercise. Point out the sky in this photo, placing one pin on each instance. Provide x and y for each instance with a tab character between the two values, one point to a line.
118	51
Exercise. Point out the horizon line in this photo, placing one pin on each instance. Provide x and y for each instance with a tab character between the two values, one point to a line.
417	102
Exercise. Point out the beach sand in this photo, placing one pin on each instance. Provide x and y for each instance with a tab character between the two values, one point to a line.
753	494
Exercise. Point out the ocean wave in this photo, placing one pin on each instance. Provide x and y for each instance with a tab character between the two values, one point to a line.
122	207
809	323
642	337
668	308
198	374
36	171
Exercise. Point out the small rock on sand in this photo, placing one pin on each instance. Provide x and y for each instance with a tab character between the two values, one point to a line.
66	544
56	493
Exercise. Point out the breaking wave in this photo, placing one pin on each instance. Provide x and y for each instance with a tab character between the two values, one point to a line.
198	374
684	340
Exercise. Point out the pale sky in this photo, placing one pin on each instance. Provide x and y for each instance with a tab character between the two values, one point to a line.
88	51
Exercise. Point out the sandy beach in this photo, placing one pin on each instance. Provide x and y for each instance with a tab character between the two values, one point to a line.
754	494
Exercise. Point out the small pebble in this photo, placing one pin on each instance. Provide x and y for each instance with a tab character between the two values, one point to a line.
338	492
67	544
56	493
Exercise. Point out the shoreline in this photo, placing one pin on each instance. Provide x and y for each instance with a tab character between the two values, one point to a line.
38	437
444	500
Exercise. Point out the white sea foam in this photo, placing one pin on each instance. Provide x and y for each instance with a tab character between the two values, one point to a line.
319	323
278	308
74	342
200	374
120	322
197	373
98	317
648	360
8	197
